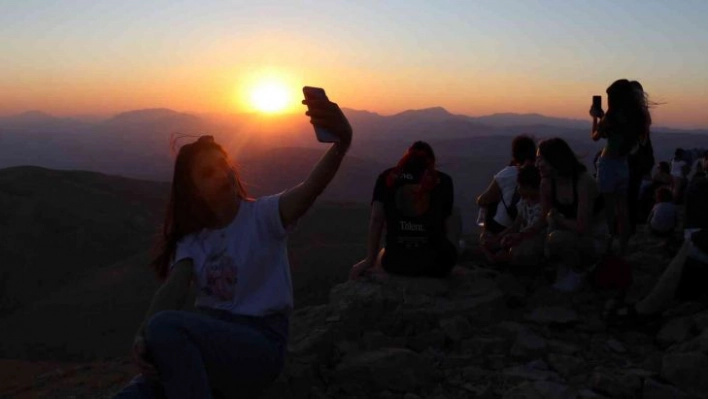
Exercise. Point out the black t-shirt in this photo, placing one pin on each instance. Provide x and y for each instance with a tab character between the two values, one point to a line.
414	221
696	208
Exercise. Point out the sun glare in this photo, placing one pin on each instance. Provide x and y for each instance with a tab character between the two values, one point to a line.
270	97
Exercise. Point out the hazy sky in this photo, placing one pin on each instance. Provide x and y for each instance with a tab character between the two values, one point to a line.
471	57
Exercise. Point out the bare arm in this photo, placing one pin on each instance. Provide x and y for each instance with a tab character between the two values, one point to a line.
297	200
376	224
491	195
546	205
595	133
513	228
172	294
586	196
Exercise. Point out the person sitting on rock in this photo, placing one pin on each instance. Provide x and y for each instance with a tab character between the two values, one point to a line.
573	210
414	202
684	279
233	250
663	177
523	242
497	201
679	173
663	217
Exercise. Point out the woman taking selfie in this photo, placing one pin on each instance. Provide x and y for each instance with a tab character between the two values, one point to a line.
232	249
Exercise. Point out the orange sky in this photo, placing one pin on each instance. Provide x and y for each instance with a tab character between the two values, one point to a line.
386	58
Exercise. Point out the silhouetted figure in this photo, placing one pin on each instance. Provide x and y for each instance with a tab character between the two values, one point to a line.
640	161
663	217
573	208
624	125
522	243
233	250
685	277
663	177
498	201
680	168
414	202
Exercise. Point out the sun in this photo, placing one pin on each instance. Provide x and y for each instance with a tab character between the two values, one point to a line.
270	97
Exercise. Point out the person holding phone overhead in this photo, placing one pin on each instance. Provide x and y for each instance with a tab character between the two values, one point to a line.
624	124
233	250
414	202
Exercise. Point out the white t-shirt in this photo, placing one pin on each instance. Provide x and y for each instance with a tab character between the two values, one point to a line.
243	268
506	179
663	216
677	167
529	213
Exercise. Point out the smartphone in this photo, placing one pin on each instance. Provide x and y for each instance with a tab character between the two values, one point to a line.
317	93
597	102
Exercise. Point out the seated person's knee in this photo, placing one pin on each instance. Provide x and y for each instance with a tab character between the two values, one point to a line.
162	323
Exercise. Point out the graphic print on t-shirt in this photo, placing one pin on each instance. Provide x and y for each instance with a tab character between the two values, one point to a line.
221	276
410	201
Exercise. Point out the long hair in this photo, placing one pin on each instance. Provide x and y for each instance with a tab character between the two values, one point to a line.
187	212
418	160
627	112
523	149
561	157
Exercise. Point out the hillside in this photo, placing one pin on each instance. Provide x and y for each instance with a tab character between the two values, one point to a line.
75	245
54	225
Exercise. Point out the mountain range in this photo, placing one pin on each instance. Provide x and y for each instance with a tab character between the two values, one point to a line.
277	151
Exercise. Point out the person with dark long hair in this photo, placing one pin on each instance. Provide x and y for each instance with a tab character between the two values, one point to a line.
573	209
414	202
623	126
497	201
640	161
233	250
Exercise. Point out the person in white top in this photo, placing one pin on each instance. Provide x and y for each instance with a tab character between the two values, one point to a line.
233	250
679	172
497	199
663	218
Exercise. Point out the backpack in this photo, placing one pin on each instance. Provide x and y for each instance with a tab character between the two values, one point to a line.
511	209
492	225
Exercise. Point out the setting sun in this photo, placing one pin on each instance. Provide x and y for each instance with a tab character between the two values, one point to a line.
270	97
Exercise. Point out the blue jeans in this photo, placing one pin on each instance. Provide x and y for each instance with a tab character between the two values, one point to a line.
612	175
216	354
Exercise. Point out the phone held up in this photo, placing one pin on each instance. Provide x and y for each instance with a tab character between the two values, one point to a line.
597	106
317	93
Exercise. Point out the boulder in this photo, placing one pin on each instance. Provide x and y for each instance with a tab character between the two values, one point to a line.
393	369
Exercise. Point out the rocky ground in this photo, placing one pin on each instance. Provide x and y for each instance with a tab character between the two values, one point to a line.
483	334
494	335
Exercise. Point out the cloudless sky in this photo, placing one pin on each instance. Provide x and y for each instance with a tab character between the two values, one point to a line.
387	56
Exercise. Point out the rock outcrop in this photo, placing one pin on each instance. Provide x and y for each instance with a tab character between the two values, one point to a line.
488	334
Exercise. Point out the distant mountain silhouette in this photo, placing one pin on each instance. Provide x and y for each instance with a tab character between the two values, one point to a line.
137	143
160	118
39	121
511	119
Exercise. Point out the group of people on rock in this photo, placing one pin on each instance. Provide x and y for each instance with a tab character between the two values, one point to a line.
543	204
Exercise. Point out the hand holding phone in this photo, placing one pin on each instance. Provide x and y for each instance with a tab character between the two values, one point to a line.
596	109
324	135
